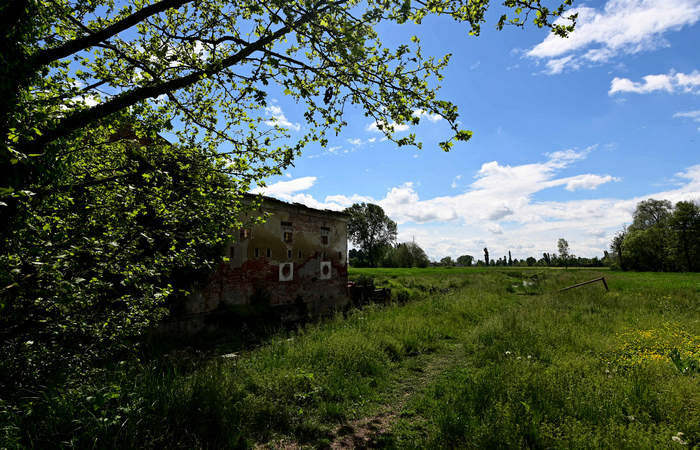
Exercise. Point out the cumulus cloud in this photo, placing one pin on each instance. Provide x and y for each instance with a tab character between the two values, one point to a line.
503	210
671	83
278	118
498	211
588	181
621	27
494	228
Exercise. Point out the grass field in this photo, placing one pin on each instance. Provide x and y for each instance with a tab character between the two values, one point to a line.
462	358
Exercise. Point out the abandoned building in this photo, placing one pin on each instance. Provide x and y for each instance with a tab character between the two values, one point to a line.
294	263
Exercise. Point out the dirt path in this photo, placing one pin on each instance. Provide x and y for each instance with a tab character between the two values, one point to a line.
364	433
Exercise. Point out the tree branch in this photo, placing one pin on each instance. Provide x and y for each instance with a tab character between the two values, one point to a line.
49	55
122	101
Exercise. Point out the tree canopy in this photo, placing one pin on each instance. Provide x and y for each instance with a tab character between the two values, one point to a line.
662	237
371	229
100	218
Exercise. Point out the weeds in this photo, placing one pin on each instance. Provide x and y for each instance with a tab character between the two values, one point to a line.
465	362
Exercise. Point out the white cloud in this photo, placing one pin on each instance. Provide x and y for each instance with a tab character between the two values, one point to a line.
278	118
502	210
374	127
588	181
671	83
455	180
424	115
284	189
692	115
621	27
498	211
494	228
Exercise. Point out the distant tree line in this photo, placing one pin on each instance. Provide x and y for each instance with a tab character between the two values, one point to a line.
662	237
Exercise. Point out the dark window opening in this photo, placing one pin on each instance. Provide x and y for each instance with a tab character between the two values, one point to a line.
286	224
325	229
326	270
288	236
324	240
340	256
299	254
245	233
269	253
257	253
289	254
325	256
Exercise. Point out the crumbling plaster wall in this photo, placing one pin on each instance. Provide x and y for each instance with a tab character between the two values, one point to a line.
302	273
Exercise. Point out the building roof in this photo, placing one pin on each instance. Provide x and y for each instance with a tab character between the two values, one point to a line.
296	205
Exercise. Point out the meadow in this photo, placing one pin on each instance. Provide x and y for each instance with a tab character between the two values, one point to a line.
461	358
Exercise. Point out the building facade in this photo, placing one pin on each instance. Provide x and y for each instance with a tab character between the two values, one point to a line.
294	262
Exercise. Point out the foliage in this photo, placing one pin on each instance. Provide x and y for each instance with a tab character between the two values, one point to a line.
465	260
447	261
467	363
662	237
371	229
408	254
99	218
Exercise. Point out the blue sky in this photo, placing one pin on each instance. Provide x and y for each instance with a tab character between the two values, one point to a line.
569	134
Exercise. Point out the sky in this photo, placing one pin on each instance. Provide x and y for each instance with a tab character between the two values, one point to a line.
569	134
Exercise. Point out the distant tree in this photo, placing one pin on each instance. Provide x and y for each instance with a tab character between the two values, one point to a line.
371	229
531	261
465	260
510	259
662	237
447	261
547	259
405	255
486	256
651	213
648	238
685	223
563	247
616	255
420	259
357	258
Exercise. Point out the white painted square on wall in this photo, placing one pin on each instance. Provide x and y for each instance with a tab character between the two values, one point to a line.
286	271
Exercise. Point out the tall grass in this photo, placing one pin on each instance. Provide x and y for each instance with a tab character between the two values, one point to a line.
582	368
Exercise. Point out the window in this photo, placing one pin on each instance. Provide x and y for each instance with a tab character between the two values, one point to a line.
299	254
269	253
287	232
325	256
245	233
289	254
325	231
340	256
324	240
257	253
